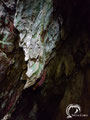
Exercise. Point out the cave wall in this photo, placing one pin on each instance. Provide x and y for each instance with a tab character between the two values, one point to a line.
67	74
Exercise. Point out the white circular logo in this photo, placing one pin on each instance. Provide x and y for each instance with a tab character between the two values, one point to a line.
72	110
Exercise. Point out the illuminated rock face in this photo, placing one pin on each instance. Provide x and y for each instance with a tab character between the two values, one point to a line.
38	35
39	32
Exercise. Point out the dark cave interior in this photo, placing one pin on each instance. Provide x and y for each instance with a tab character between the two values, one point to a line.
72	83
76	23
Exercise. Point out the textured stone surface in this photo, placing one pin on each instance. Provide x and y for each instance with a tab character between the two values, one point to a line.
39	31
67	73
67	78
11	60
